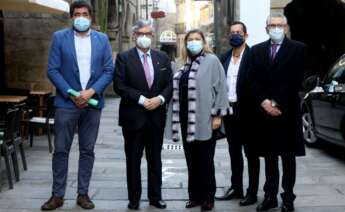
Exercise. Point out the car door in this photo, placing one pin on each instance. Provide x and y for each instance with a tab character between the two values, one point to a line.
329	106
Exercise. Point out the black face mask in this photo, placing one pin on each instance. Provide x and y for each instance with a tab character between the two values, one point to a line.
236	40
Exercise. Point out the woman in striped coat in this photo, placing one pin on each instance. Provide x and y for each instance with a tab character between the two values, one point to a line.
199	102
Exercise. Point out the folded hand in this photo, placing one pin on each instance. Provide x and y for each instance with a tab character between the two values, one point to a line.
153	103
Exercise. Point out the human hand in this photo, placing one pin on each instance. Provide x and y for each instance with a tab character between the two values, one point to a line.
216	122
267	106
153	103
78	102
86	95
275	112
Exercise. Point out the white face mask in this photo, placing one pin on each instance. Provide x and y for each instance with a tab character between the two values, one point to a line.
143	41
276	34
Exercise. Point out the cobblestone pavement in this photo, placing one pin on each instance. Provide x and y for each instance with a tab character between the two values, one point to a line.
320	183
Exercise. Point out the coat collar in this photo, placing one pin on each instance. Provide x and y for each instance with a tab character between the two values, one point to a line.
228	56
137	63
94	44
280	54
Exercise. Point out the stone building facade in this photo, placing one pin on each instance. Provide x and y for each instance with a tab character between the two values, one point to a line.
27	38
27	41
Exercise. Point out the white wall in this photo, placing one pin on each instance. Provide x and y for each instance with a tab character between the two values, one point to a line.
254	15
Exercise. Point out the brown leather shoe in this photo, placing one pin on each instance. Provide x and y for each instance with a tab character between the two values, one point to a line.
52	204
85	202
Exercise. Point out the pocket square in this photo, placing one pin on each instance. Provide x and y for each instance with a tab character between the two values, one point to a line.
162	69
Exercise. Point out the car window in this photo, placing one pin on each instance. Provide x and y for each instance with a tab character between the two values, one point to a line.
337	73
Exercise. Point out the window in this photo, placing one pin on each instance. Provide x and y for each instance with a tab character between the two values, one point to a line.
337	73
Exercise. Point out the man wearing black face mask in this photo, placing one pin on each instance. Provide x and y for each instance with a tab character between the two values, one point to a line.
236	64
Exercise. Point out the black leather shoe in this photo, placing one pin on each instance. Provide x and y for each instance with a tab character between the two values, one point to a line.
207	206
192	204
288	200
249	199
133	205
267	204
158	204
287	206
230	194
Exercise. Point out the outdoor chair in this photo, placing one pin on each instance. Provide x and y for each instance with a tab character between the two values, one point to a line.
17	136
7	148
47	123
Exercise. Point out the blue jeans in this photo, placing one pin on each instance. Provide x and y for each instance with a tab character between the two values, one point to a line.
67	122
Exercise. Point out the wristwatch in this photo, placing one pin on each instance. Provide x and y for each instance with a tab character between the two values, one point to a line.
274	103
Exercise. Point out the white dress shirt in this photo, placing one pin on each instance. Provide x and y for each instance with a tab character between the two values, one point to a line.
232	75
83	51
152	73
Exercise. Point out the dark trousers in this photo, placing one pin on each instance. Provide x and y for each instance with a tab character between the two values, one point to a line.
271	186
67	122
199	157
236	139
151	139
201	173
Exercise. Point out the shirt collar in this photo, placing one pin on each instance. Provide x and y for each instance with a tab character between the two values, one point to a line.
141	53
279	43
240	57
87	34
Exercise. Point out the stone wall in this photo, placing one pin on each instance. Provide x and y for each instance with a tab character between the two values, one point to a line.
277	6
28	38
27	41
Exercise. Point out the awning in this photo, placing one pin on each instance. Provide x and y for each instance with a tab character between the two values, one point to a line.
41	6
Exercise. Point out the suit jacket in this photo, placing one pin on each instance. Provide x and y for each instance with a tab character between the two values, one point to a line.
242	88
280	80
63	69
130	83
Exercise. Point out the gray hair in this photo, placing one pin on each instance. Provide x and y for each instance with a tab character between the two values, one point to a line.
276	15
140	24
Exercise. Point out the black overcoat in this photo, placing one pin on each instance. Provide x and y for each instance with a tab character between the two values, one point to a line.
281	81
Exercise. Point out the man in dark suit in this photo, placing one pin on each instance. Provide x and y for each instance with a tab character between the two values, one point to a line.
81	59
238	128
143	79
277	75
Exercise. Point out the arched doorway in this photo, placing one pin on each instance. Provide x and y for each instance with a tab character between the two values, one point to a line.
167	40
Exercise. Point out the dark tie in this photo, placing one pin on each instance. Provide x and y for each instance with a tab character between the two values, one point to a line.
274	48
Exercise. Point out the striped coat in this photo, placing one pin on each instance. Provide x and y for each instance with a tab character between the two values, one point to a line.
211	97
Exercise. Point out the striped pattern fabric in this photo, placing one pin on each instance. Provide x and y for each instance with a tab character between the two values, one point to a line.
191	99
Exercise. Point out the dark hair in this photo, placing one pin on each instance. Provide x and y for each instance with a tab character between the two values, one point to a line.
79	4
239	23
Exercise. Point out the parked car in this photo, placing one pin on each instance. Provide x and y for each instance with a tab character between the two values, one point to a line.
323	107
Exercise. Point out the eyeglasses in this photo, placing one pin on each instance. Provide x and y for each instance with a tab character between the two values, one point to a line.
276	25
85	14
144	33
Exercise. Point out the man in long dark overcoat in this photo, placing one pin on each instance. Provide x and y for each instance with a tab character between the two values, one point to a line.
276	77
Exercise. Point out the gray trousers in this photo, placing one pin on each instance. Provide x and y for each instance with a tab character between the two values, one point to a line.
67	122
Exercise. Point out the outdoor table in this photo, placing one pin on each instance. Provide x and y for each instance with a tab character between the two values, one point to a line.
42	96
12	100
